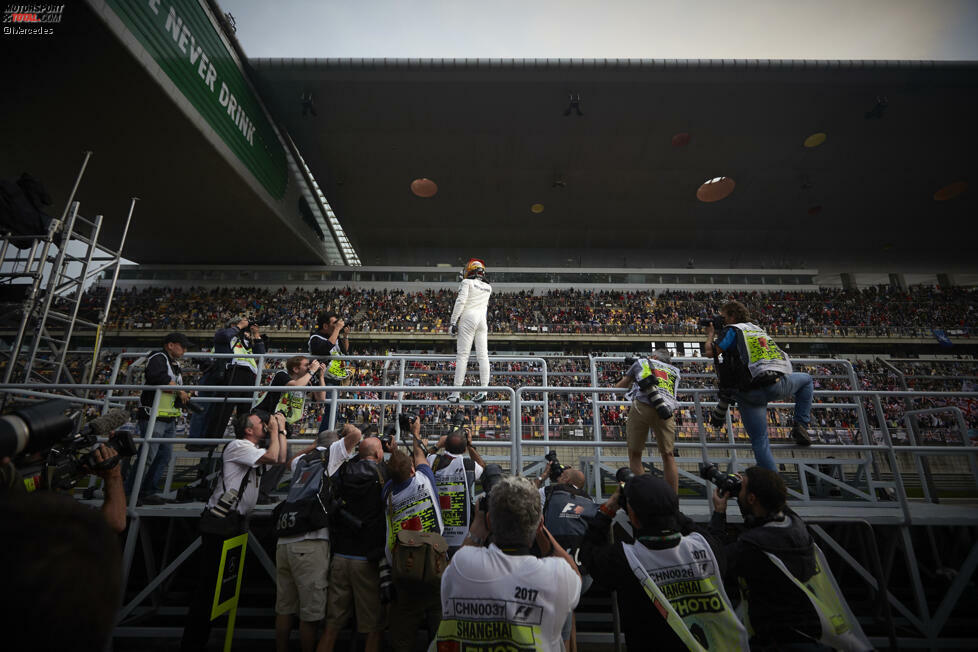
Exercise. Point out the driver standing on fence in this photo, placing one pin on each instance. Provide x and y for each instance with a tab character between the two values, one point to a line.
469	322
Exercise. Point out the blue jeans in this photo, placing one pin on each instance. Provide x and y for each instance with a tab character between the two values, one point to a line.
753	411
157	459
327	407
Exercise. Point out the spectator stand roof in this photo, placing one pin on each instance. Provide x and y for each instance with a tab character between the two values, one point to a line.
520	183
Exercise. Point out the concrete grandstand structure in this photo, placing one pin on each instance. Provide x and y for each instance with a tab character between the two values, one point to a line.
224	229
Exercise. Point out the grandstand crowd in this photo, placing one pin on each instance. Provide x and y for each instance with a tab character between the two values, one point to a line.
876	311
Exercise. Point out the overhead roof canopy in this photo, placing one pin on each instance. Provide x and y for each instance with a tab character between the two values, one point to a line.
82	89
613	187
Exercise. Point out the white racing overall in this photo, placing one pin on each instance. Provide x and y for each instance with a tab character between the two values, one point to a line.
470	316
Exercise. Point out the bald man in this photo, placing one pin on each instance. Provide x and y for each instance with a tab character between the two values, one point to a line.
565	504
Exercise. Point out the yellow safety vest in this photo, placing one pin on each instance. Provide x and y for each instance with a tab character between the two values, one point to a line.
337	368
708	622
840	629
167	406
239	348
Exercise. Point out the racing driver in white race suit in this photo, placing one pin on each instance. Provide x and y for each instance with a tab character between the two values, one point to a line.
469	322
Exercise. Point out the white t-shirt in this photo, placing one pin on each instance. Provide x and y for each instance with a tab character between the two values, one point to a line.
487	585
240	456
477	467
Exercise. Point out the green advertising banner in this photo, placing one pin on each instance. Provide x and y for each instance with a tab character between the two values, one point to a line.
181	38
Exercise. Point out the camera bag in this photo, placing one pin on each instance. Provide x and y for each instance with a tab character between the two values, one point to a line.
230	525
419	558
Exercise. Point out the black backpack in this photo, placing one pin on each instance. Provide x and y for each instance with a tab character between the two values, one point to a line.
304	509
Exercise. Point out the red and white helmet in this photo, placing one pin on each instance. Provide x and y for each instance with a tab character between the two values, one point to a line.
473	268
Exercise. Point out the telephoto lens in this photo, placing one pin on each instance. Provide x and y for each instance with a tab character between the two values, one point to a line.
718	415
728	482
649	385
387	590
623	475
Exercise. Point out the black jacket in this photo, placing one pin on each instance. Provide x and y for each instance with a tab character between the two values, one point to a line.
776	607
643	626
357	484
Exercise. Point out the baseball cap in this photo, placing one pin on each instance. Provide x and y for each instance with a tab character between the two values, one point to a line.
178	338
654	502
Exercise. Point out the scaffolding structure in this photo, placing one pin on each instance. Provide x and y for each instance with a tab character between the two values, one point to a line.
56	280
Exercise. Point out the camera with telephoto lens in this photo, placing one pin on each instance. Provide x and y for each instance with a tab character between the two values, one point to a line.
68	454
556	468
716	321
387	590
225	503
650	387
623	475
347	322
190	406
491	475
718	414
728	482
404	420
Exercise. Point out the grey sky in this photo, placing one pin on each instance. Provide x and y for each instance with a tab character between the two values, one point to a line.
695	29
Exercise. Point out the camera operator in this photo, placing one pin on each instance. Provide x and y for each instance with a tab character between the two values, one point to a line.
753	370
242	338
244	460
162	368
298	372
503	595
302	552
357	536
455	477
566	507
669	581
412	504
654	382
771	559
330	340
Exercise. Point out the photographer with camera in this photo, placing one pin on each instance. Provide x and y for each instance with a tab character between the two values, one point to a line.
357	534
455	478
162	368
566	507
668	580
496	594
654	383
753	370
259	442
413	506
298	372
329	342
792	599
242	338
301	523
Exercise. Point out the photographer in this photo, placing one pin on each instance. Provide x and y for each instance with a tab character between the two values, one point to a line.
357	532
455	477
566	507
299	372
669	580
330	339
244	339
162	368
302	551
244	460
412	504
753	370
771	559
502	595
654	383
